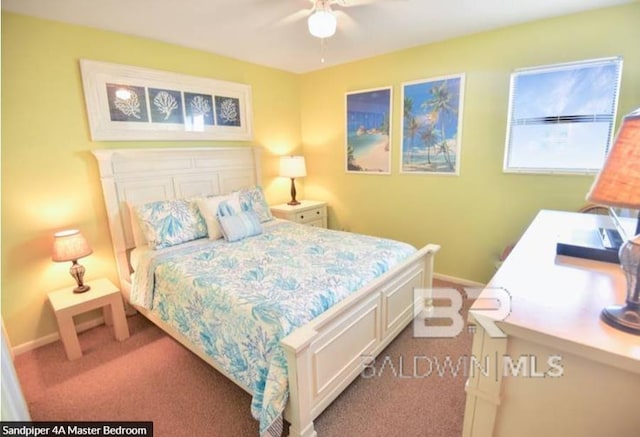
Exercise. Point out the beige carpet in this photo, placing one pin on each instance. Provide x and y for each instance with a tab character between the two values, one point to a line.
152	377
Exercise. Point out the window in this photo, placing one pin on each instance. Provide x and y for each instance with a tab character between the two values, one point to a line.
561	117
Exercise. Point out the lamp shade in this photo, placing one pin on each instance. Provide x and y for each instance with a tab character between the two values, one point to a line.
322	23
618	183
69	245
292	167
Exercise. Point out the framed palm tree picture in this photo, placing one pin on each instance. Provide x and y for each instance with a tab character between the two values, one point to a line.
368	131
432	125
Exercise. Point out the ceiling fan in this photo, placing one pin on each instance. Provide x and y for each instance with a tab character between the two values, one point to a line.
321	20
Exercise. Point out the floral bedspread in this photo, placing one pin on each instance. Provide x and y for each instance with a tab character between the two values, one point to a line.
236	301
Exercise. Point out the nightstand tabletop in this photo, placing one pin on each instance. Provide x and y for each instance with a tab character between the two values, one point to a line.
66	298
304	204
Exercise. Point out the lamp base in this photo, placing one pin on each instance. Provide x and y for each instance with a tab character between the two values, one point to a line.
81	289
624	318
293	200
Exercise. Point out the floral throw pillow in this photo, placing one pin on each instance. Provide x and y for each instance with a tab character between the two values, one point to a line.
253	199
169	222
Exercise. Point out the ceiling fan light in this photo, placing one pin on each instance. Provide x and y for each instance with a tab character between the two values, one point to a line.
322	24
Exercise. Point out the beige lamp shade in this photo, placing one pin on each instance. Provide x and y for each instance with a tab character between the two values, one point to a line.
69	245
292	167
618	183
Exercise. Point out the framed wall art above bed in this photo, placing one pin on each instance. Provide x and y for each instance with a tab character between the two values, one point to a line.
132	103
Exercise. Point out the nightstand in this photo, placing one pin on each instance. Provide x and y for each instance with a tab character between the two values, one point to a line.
66	304
309	212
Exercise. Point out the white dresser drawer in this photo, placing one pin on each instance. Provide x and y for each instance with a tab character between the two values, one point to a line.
320	223
310	215
307	212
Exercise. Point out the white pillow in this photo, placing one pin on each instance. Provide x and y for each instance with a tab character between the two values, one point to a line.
208	207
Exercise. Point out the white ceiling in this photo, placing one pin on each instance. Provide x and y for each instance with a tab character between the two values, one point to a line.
265	31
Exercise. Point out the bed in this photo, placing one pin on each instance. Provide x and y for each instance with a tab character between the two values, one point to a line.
319	355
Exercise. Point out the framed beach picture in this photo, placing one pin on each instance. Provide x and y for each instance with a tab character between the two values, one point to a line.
432	125
368	142
132	103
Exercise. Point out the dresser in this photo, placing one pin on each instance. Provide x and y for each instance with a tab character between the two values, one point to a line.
560	371
308	212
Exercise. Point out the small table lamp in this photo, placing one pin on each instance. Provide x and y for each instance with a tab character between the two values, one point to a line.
293	167
618	184
70	246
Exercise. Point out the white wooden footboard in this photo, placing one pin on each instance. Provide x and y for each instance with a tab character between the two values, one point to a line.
327	354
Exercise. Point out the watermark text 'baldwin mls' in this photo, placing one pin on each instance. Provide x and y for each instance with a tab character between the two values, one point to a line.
423	366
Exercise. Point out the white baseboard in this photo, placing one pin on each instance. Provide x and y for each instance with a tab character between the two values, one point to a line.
460	281
34	344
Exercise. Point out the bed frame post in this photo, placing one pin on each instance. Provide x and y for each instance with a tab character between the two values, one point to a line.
428	276
298	411
109	190
431	250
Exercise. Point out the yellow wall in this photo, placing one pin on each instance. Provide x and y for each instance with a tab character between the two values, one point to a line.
474	215
49	177
50	180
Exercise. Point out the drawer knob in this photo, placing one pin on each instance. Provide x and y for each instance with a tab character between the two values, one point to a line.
302	216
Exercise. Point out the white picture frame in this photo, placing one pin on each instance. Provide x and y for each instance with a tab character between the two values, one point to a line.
127	103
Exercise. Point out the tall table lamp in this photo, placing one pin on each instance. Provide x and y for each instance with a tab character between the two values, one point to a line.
71	246
293	167
618	184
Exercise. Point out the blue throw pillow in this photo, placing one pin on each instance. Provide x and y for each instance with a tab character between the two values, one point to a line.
239	226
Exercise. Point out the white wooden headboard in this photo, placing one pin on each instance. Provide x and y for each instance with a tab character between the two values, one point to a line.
137	176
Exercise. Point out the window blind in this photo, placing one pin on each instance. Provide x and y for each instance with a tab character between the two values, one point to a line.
561	117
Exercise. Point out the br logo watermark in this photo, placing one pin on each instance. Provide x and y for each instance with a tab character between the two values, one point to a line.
493	306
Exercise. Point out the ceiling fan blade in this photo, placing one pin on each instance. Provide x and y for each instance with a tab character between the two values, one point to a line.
356	3
345	21
294	17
